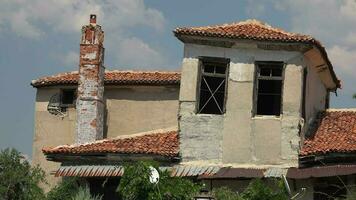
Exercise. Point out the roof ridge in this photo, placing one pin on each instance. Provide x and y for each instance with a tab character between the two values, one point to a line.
251	22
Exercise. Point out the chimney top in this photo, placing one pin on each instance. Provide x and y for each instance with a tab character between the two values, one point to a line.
92	19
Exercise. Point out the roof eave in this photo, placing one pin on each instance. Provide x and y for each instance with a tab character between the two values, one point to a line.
230	41
109	157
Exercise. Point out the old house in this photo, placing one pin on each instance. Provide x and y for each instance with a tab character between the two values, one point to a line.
251	101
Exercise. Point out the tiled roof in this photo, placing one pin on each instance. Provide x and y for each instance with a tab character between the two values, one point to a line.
115	78
336	133
249	29
160	143
255	30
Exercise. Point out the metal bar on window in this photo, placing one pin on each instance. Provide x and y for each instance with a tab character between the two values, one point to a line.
212	95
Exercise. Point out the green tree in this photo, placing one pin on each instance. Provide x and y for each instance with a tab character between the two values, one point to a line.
135	185
257	190
19	181
225	193
354	96
84	194
64	190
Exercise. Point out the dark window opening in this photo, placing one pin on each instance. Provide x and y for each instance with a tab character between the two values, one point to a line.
269	82
68	97
212	88
104	187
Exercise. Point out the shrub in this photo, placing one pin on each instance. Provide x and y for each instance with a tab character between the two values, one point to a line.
258	190
135	185
225	193
64	190
18	179
84	194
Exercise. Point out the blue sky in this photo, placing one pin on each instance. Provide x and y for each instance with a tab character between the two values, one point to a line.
41	37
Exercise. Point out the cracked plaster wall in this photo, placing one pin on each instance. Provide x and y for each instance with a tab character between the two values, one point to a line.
237	137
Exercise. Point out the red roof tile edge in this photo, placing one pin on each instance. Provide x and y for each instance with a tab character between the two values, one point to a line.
336	133
284	36
154	143
114	77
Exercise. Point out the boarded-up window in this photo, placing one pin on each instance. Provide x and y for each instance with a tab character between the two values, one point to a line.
212	91
268	88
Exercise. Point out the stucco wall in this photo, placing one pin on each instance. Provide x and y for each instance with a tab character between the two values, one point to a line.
139	109
50	130
237	137
129	110
315	95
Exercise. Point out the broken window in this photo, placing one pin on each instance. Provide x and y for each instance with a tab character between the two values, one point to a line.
269	81
68	97
212	87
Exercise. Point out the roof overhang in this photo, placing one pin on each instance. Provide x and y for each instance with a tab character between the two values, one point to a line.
210	172
108	158
312	50
101	170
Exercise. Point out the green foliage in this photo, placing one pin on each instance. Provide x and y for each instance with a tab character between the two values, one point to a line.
135	185
256	190
19	181
84	194
354	96
224	193
64	190
174	188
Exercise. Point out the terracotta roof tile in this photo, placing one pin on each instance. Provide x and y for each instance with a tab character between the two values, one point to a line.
335	133
249	29
255	30
161	143
114	77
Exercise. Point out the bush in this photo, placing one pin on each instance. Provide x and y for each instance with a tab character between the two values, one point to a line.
135	185
84	194
224	193
18	179
64	190
256	190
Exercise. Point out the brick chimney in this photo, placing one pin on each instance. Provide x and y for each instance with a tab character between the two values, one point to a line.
90	104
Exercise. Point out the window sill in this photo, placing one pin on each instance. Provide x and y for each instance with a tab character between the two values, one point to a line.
274	117
209	115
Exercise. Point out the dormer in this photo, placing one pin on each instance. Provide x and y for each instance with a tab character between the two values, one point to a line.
249	92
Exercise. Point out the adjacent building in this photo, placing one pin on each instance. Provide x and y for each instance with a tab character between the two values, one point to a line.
251	101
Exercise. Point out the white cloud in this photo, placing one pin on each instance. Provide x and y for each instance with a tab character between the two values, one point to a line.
254	8
344	60
71	59
34	19
68	15
133	51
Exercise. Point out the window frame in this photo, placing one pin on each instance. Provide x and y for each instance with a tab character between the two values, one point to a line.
256	82
65	105
201	73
